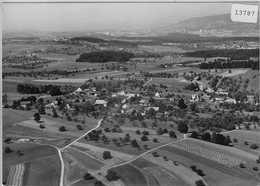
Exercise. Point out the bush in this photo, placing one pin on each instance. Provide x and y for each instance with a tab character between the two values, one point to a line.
88	176
194	168
138	132
62	129
7	140
107	129
79	127
155	140
41	126
155	154
144	138
8	150
254	146
241	165
255	168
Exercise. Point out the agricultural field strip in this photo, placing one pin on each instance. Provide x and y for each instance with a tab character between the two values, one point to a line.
245	139
168	173
209	154
15	177
90	155
60	150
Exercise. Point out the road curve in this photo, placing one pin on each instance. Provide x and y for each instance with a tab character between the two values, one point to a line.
63	148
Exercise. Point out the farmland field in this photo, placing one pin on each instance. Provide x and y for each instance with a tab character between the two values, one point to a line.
40	163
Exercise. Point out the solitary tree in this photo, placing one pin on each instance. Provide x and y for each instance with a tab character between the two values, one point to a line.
37	117
112	175
107	155
62	129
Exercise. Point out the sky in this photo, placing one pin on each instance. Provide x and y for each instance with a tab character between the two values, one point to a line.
102	16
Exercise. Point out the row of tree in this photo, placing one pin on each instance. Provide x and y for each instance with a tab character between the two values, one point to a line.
214	137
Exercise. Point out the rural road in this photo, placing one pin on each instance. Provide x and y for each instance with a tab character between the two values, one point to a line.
63	148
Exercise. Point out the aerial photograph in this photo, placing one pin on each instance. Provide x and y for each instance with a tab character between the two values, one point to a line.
129	94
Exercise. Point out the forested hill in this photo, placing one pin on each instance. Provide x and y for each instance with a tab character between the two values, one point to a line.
105	56
233	54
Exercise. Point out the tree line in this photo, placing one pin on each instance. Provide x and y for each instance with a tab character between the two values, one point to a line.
214	137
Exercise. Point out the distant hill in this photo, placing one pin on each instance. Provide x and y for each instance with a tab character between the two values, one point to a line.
216	25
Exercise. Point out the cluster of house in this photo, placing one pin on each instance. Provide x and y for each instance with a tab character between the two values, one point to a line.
222	98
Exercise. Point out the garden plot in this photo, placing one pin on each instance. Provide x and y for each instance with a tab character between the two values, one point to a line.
207	153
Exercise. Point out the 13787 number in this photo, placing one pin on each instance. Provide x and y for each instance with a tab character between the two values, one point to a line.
244	12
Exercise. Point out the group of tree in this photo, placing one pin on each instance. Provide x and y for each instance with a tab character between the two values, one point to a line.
94	135
53	90
214	137
105	56
198	171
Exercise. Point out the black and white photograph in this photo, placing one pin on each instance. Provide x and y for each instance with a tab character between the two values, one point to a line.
130	93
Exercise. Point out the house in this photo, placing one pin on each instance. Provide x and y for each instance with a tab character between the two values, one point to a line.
24	103
194	97
157	94
209	90
155	108
79	90
101	102
219	100
230	100
126	106
144	102
221	92
250	98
